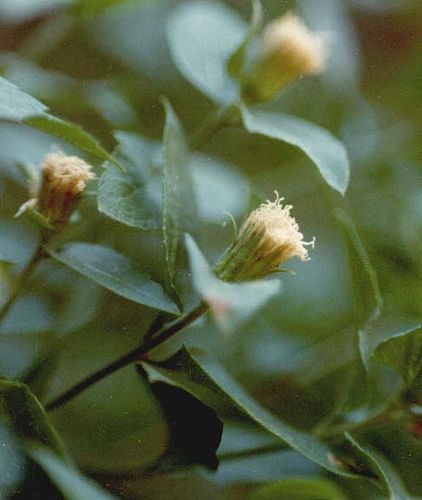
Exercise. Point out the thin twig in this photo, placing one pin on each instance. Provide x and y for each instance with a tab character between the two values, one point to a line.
137	354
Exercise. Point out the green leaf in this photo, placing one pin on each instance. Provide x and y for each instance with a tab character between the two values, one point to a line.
235	64
204	378
299	488
392	481
67	478
128	196
195	429
19	107
230	303
325	150
402	352
114	272
202	36
71	133
367	296
29	419
179	207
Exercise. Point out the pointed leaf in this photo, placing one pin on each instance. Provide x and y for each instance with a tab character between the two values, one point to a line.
202	36
19	107
128	196
392	481
29	419
325	150
402	352
114	272
230	303
179	207
203	377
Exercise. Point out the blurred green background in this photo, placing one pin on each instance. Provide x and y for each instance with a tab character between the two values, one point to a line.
105	65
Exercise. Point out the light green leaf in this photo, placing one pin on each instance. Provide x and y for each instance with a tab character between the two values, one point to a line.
325	150
299	488
114	272
128	196
402	352
204	377
235	64
179	207
67	478
202	35
19	107
392	481
230	303
27	415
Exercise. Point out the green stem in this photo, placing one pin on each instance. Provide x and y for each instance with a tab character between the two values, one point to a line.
223	117
138	354
18	287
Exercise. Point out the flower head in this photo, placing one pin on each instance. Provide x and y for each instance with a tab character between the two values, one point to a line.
267	238
288	50
63	180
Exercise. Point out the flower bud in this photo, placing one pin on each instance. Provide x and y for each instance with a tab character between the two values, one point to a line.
288	51
267	238
63	180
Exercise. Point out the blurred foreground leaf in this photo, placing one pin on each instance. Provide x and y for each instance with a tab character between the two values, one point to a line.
28	417
203	377
323	148
230	303
114	272
202	36
299	488
67	478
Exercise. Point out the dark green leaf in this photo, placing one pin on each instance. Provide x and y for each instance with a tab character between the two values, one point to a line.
392	481
71	133
199	374
202	36
230	303
235	64
179	207
29	419
67	478
195	429
325	150
130	196
299	488
19	107
114	272
402	352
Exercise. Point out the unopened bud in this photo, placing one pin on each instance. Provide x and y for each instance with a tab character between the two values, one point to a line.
63	179
288	51
267	238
